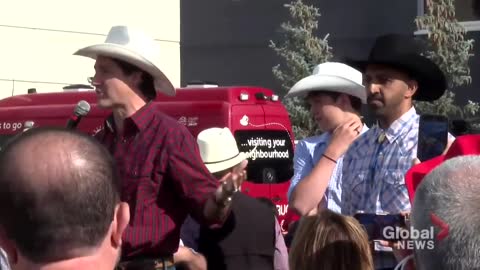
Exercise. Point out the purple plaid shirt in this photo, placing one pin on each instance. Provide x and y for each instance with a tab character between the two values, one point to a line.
163	180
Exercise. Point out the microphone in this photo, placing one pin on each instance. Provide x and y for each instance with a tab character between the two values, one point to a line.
80	111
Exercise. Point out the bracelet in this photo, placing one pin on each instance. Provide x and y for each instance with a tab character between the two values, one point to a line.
329	158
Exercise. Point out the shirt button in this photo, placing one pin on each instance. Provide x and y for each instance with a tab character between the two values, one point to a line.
124	140
135	173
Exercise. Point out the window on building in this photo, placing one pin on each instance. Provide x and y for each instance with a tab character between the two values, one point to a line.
467	13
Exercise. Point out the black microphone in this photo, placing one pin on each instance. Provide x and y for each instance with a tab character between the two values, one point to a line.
80	111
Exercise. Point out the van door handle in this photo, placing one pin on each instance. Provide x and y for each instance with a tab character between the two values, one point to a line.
247	190
276	199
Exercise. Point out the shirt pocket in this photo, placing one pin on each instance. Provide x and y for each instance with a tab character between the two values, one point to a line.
394	195
141	187
354	192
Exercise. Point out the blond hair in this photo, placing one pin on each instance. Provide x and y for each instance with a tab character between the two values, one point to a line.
330	241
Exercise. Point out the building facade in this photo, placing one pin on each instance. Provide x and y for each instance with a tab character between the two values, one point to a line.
227	41
39	38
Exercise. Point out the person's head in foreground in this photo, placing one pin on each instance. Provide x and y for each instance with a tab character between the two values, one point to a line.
219	151
330	241
60	202
447	202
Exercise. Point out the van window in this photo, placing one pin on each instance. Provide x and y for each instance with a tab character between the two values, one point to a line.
272	160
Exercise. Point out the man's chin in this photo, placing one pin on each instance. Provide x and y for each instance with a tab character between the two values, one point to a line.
104	104
375	107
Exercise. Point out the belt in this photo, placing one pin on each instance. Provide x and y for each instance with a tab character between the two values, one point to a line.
146	264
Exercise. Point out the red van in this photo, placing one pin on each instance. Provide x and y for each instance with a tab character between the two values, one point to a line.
255	115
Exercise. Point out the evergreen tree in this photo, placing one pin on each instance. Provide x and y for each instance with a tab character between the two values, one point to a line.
450	50
300	51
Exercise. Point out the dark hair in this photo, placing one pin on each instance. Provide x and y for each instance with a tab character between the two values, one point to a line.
51	210
355	102
270	204
147	86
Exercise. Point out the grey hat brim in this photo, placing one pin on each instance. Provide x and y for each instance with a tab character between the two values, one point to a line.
330	83
161	82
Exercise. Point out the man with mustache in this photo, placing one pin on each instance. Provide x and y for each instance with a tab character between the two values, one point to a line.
374	167
335	94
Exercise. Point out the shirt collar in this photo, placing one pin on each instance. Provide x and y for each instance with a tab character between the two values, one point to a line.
137	122
401	125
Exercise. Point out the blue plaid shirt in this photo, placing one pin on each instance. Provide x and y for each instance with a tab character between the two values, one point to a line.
307	154
374	170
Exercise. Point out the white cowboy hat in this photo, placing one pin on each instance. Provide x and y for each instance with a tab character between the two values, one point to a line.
135	47
332	77
219	150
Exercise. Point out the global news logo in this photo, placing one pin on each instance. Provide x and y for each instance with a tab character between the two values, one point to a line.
413	238
410	238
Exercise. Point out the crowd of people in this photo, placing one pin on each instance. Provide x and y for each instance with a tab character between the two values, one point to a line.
144	193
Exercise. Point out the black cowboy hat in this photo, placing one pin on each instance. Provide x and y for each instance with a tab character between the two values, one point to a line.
404	52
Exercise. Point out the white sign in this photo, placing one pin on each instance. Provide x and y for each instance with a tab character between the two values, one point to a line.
272	146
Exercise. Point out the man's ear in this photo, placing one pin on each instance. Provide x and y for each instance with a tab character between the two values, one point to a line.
412	87
9	247
120	222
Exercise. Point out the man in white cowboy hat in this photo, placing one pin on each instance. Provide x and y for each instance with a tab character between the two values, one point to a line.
395	74
163	177
251	237
335	94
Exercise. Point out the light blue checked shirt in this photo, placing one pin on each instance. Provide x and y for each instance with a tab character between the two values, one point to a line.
373	171
307	154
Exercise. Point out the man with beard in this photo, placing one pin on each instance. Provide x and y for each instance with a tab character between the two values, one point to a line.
395	74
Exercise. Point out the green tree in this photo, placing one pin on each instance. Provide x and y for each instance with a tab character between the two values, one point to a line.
449	49
300	50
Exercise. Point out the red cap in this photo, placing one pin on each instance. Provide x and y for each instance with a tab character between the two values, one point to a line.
463	145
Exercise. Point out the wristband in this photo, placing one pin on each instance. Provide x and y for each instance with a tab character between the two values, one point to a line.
329	158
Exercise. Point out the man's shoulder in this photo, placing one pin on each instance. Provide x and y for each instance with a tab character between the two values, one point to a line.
365	138
360	146
248	203
170	125
164	118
